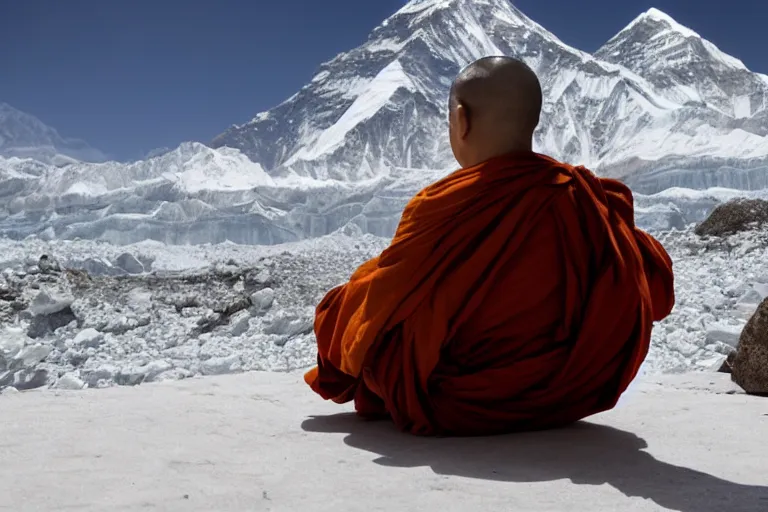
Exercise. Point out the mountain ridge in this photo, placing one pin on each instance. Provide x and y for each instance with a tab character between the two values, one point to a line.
24	135
430	40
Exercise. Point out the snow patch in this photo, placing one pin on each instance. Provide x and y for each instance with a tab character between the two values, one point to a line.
373	98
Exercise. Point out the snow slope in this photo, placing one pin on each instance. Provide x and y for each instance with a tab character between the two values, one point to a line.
23	135
265	442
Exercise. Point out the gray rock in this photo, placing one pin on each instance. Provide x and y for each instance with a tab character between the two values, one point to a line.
222	365
34	354
89	338
75	358
131	376
258	279
129	263
146	262
97	377
40	325
186	301
48	265
750	364
287	324
233	306
154	369
262	300
69	381
239	324
124	324
99	267
48	302
24	379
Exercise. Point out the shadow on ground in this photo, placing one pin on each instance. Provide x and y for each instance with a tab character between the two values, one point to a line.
585	453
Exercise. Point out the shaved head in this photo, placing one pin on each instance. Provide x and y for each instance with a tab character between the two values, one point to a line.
495	104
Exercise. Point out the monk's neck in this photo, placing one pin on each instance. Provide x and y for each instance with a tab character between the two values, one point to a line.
487	154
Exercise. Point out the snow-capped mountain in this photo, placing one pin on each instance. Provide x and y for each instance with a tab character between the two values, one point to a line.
727	105
657	106
25	136
621	112
686	68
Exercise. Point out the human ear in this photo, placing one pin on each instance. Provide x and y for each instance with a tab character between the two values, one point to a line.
462	121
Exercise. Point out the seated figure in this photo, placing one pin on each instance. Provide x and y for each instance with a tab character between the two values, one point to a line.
516	294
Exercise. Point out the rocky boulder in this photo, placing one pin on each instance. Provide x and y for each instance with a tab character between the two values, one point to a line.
734	216
51	310
130	264
749	364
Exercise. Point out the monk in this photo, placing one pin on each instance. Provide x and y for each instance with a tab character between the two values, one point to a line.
516	294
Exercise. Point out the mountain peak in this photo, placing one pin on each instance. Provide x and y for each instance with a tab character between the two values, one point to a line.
658	40
658	15
655	22
24	135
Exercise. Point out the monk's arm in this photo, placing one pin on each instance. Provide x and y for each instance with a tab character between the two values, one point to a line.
656	260
327	379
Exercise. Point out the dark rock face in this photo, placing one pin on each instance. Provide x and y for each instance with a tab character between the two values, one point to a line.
749	365
130	264
45	324
735	216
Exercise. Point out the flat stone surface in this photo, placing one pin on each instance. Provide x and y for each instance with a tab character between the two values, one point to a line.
264	442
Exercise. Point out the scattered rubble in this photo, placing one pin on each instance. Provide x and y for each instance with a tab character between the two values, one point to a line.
69	329
207	310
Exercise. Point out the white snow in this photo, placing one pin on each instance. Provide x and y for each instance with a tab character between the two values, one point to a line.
266	442
222	170
192	166
742	107
374	97
658	15
674	26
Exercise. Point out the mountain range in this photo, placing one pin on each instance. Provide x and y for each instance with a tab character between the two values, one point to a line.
657	106
25	136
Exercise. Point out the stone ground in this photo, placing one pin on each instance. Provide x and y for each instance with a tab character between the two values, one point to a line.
96	315
263	441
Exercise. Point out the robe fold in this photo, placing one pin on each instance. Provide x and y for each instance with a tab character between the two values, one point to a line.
516	294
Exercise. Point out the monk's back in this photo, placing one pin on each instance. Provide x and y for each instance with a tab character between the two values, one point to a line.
525	305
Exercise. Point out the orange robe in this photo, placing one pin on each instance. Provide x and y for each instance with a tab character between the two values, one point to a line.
517	294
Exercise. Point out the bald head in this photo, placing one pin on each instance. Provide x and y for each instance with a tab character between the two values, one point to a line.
495	104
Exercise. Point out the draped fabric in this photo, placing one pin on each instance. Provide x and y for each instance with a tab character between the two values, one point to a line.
517	294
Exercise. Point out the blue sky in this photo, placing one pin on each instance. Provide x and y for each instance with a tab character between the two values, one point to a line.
131	76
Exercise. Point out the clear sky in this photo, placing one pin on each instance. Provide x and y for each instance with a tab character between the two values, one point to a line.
129	76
